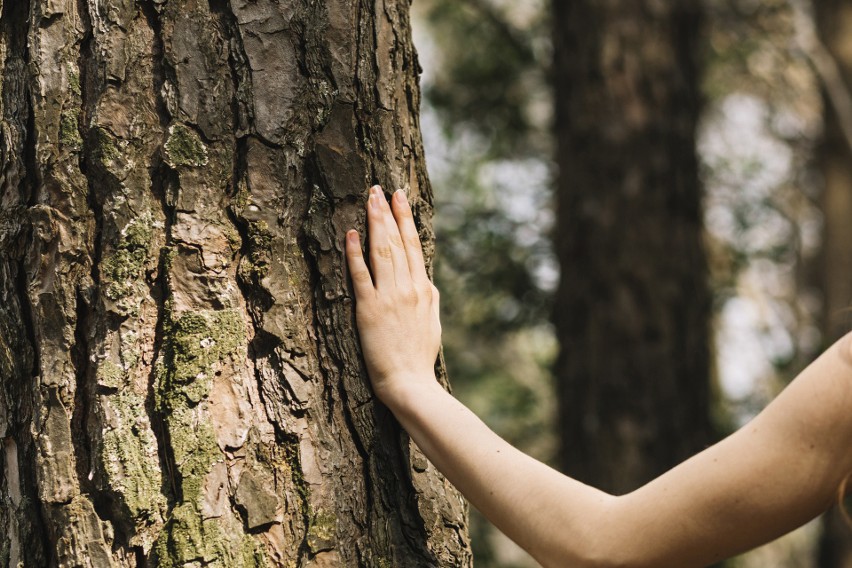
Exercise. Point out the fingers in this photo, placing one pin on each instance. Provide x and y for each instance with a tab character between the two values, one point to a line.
410	239
381	255
402	275
362	282
396	257
436	301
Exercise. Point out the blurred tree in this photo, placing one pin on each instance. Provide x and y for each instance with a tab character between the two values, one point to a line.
834	22
486	128
633	305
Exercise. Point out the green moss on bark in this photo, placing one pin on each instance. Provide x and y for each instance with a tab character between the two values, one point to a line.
7	354
110	375
188	538
122	272
129	458
322	534
196	343
255	265
184	147
69	130
104	148
74	81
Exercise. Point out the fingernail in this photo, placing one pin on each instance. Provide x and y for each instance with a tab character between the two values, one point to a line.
352	236
400	196
376	189
374	202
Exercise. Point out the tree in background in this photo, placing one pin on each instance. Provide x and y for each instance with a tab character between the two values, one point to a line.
633	306
180	381
834	21
486	124
759	128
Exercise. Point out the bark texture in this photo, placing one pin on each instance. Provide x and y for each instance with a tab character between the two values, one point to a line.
834	155
180	380
633	307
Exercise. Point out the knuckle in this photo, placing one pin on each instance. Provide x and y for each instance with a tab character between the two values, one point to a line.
383	252
413	240
426	291
384	303
365	313
409	296
361	276
396	241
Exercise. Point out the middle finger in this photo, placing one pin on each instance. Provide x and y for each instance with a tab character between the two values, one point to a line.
402	274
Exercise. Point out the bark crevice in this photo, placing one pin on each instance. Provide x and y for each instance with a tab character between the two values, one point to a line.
162	181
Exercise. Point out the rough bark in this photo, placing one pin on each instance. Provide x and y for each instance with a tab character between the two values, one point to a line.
834	156
180	380
633	307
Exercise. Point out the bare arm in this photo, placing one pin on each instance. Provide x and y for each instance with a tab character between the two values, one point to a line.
776	473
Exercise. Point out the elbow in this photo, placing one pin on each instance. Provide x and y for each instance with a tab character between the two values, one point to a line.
608	556
607	541
608	553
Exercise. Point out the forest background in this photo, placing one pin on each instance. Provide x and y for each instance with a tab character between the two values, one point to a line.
642	213
773	87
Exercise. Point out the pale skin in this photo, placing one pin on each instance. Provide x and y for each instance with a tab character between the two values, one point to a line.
779	471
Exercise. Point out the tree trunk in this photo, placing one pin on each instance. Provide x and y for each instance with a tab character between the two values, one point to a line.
181	379
834	155
633	305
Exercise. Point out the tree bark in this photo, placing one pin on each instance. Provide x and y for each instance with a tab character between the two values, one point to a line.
633	306
181	378
834	157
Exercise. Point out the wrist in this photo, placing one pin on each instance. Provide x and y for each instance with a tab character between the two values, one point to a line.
402	392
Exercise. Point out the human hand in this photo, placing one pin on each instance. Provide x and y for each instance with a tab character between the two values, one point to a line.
396	308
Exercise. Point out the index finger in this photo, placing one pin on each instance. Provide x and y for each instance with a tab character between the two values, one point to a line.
410	238
362	282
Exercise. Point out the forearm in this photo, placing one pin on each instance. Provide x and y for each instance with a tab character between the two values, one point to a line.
776	473
773	475
548	514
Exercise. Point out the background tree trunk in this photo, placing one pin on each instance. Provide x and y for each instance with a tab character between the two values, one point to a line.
633	305
834	156
181	379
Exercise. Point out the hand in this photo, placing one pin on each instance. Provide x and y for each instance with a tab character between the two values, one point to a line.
396	307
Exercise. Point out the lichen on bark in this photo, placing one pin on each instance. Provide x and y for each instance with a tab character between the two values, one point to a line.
184	147
195	346
122	272
128	452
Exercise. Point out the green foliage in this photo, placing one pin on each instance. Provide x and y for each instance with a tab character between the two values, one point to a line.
490	71
489	272
486	85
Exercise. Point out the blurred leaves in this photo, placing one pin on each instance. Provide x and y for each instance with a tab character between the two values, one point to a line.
486	123
491	271
490	77
486	126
